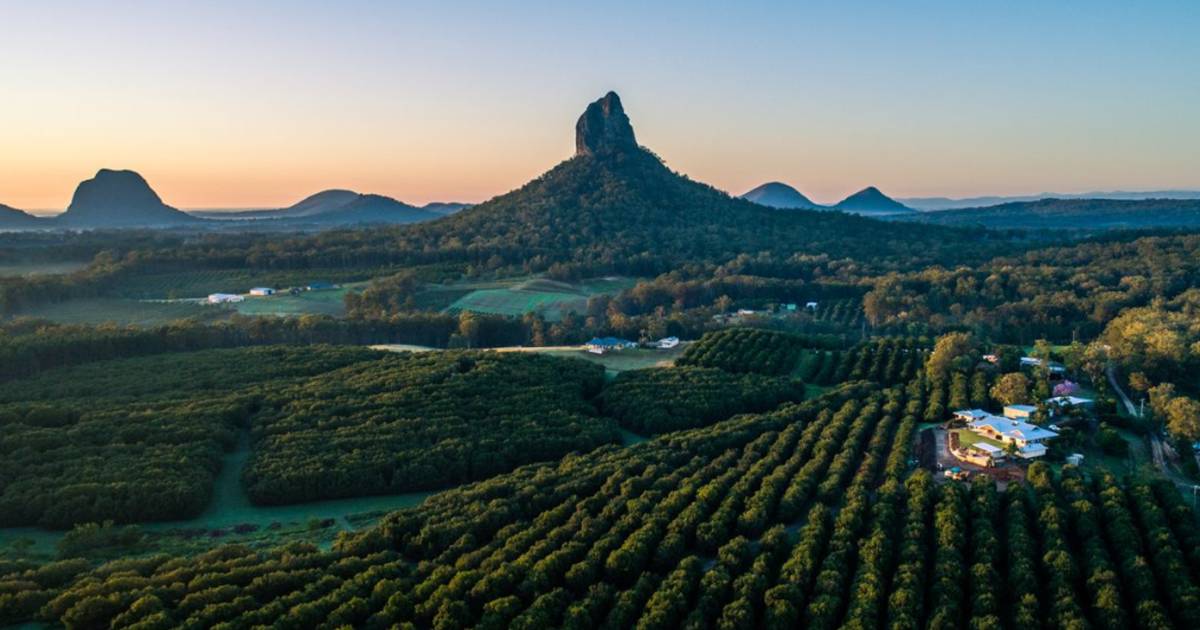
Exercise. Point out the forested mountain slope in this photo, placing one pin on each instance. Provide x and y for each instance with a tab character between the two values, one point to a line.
1073	214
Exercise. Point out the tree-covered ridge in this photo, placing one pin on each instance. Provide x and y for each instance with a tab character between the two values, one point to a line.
805	515
136	440
421	421
1073	214
658	400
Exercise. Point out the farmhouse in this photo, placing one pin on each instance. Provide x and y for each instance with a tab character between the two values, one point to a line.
225	298
666	343
262	291
1029	438
602	345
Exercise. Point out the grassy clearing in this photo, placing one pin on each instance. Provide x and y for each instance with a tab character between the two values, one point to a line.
633	359
327	302
550	298
197	284
124	311
40	268
969	438
155	313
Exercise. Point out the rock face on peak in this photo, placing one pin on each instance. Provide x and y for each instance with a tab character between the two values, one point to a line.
779	195
119	199
604	129
871	201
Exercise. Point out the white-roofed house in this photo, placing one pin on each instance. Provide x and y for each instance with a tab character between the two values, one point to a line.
1030	439
224	298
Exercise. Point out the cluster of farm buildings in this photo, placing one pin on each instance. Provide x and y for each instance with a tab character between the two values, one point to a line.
604	345
233	298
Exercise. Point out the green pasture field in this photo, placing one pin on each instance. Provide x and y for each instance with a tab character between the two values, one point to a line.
551	298
326	302
124	311
197	284
621	360
40	268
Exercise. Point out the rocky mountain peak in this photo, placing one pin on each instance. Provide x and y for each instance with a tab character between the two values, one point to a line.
604	128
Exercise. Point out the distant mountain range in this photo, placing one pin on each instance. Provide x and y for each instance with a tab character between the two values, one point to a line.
1075	214
123	199
868	201
932	204
344	207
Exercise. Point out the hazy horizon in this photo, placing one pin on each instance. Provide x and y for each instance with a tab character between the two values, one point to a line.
229	106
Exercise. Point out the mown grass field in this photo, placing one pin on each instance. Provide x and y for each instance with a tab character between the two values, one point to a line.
550	298
197	284
40	269
632	359
124	311
154	313
327	302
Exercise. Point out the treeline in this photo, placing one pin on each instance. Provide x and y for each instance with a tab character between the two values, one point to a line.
29	347
136	440
421	421
658	400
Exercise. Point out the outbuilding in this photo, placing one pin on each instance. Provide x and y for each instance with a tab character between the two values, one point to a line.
224	298
1019	412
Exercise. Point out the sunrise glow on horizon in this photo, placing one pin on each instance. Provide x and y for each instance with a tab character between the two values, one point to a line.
225	105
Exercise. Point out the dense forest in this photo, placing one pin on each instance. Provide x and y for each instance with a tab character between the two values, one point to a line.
1060	293
1090	215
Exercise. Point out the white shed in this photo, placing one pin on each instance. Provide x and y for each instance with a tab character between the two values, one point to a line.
224	298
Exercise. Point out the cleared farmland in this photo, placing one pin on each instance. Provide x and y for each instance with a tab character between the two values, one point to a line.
550	298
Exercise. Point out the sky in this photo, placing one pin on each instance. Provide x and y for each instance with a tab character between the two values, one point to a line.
224	104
